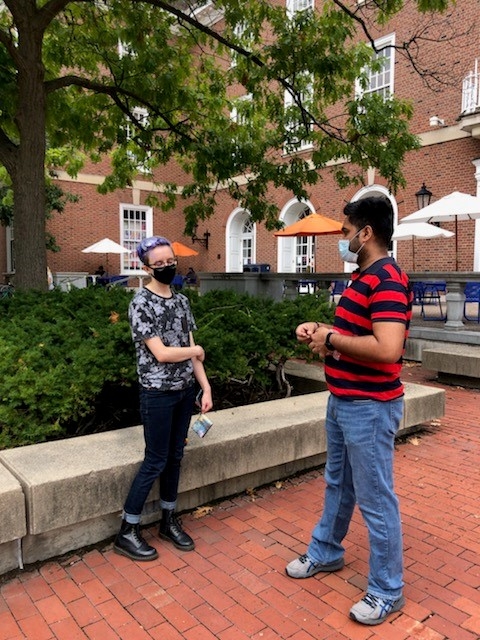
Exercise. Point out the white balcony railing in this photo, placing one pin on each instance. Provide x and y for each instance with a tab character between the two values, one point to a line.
471	91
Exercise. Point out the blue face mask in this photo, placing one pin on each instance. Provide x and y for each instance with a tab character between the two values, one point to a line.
346	254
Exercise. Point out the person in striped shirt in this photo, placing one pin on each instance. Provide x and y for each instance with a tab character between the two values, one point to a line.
363	358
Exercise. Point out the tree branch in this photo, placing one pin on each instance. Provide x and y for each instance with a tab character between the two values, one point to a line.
405	49
115	93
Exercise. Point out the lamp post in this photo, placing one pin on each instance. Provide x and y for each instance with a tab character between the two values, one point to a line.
201	240
423	196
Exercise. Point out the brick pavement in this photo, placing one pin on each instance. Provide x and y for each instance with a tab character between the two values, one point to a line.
233	586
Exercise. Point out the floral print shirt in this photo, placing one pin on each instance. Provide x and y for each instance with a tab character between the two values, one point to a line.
170	319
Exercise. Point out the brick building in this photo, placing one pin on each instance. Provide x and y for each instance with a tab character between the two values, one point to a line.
447	120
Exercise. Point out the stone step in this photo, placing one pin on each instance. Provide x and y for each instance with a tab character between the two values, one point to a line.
455	363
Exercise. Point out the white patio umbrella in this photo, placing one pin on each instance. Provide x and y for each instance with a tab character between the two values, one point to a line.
106	246
412	230
453	207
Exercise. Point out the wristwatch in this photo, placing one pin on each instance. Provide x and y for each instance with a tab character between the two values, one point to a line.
328	344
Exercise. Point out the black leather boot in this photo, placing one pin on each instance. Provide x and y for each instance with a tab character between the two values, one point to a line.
129	542
171	529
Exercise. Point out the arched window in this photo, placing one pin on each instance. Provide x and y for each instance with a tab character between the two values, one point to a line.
240	240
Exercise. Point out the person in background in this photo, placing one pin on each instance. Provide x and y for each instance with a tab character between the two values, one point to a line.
191	277
50	283
168	363
363	358
100	271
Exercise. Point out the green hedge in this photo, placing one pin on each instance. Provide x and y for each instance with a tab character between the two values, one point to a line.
59	351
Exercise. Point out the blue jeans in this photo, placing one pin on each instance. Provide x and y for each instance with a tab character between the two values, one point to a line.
359	468
166	418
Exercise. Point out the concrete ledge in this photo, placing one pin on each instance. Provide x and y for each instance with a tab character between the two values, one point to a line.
426	337
13	525
455	363
74	489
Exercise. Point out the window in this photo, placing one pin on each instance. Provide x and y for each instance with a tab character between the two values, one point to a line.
240	116
238	113
135	224
380	79
247	241
298	127
125	50
240	37
140	116
298	5
305	250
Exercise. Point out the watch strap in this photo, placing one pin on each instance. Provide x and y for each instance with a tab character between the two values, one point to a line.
328	344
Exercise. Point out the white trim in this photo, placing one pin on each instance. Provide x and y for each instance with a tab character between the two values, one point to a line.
288	102
291	11
375	190
233	240
286	247
384	41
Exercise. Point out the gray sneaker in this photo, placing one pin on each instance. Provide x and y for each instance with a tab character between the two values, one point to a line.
373	610
305	567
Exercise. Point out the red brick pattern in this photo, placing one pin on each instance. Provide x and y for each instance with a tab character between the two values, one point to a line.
233	586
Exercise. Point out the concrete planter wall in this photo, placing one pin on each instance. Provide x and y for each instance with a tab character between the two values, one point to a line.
60	496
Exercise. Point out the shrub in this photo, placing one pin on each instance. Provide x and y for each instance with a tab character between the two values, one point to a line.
60	352
57	352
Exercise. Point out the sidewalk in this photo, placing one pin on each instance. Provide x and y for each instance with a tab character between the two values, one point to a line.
234	587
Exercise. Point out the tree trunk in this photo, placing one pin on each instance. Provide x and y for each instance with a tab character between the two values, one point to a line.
29	175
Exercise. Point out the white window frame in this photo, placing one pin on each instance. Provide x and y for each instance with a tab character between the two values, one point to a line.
294	6
238	33
248	242
125	50
142	116
376	86
289	102
130	237
237	117
234	240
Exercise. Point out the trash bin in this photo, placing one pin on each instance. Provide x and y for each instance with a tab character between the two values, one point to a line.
256	268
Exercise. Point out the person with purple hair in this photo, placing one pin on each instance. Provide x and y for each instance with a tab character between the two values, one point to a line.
168	363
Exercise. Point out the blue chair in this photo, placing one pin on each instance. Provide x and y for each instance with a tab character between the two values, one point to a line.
429	293
178	282
418	288
472	295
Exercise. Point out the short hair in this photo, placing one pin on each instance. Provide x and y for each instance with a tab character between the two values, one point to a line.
375	211
147	244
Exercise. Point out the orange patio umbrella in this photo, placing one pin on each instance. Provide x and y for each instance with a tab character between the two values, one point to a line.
314	224
181	250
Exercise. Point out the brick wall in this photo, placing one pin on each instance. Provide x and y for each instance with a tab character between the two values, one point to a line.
444	166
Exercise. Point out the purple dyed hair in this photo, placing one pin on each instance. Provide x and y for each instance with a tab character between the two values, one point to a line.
147	244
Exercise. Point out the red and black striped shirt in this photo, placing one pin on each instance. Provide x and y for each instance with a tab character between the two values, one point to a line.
381	293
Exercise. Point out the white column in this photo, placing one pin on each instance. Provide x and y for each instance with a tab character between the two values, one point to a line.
476	244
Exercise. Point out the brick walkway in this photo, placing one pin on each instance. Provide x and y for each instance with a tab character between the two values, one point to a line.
233	586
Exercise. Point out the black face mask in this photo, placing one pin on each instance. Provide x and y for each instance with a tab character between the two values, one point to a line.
165	275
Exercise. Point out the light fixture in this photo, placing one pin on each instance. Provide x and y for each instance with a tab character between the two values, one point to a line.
423	196
201	240
435	121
